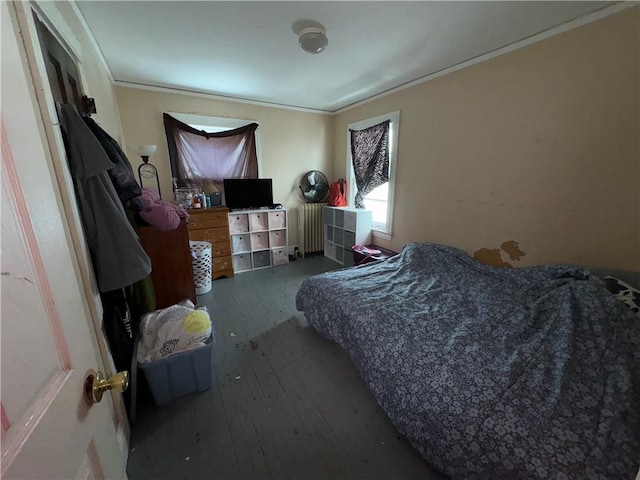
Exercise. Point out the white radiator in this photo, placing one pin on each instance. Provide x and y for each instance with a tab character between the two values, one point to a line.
311	227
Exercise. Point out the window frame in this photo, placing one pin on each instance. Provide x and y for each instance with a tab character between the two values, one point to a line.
378	230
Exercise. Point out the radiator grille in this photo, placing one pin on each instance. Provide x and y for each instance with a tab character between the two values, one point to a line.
311	227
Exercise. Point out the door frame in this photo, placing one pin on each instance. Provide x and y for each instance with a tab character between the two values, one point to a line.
63	184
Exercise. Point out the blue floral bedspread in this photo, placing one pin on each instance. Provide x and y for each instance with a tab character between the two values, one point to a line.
491	373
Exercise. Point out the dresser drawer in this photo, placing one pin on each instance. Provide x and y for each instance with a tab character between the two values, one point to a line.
211	235
221	249
208	219
222	263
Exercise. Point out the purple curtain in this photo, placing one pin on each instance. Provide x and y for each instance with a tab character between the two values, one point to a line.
370	154
197	156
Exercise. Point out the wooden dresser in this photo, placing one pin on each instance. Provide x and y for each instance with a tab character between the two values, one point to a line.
212	225
170	256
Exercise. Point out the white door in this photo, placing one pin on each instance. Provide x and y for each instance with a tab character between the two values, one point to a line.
47	339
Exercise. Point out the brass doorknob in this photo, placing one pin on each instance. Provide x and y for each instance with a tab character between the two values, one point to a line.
95	385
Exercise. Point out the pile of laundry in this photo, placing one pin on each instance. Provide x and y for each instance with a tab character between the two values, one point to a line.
172	330
163	215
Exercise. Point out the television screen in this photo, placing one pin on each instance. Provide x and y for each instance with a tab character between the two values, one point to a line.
248	192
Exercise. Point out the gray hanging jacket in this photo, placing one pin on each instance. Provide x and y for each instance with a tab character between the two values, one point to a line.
121	173
118	258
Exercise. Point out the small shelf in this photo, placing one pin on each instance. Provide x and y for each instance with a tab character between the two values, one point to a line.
345	227
259	239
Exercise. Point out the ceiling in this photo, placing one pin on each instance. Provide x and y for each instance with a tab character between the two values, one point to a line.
249	50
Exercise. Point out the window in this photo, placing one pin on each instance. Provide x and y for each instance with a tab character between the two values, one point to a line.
379	199
203	151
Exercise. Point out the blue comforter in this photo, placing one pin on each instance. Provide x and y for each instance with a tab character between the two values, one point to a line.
491	373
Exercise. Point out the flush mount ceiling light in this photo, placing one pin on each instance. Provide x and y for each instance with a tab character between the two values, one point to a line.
313	39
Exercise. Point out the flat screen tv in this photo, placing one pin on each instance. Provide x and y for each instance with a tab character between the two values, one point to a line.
248	192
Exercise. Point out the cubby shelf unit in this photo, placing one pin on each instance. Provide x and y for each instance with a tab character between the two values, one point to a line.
259	239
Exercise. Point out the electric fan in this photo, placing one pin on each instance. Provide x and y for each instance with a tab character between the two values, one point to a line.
314	186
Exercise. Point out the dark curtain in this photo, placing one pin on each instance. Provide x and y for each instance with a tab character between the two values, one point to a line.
197	156
370	154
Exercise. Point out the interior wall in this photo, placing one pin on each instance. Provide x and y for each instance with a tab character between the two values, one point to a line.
539	146
291	142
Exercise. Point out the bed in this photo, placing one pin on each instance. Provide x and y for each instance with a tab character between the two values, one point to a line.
491	373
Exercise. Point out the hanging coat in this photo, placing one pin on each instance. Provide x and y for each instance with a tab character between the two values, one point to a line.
121	173
118	258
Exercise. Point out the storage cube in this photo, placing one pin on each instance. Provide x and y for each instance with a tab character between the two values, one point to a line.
350	221
279	256
238	223
277	220
329	249
329	233
240	243
261	259
348	257
328	216
259	240
277	238
349	239
259	221
180	374
241	262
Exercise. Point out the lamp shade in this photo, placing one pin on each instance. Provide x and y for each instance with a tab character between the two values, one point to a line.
313	39
145	150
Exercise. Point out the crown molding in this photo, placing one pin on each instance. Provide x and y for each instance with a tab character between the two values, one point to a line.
538	37
212	96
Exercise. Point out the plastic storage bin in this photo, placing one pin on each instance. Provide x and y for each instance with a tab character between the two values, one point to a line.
180	374
201	262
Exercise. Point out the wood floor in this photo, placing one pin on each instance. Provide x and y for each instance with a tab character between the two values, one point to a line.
286	403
